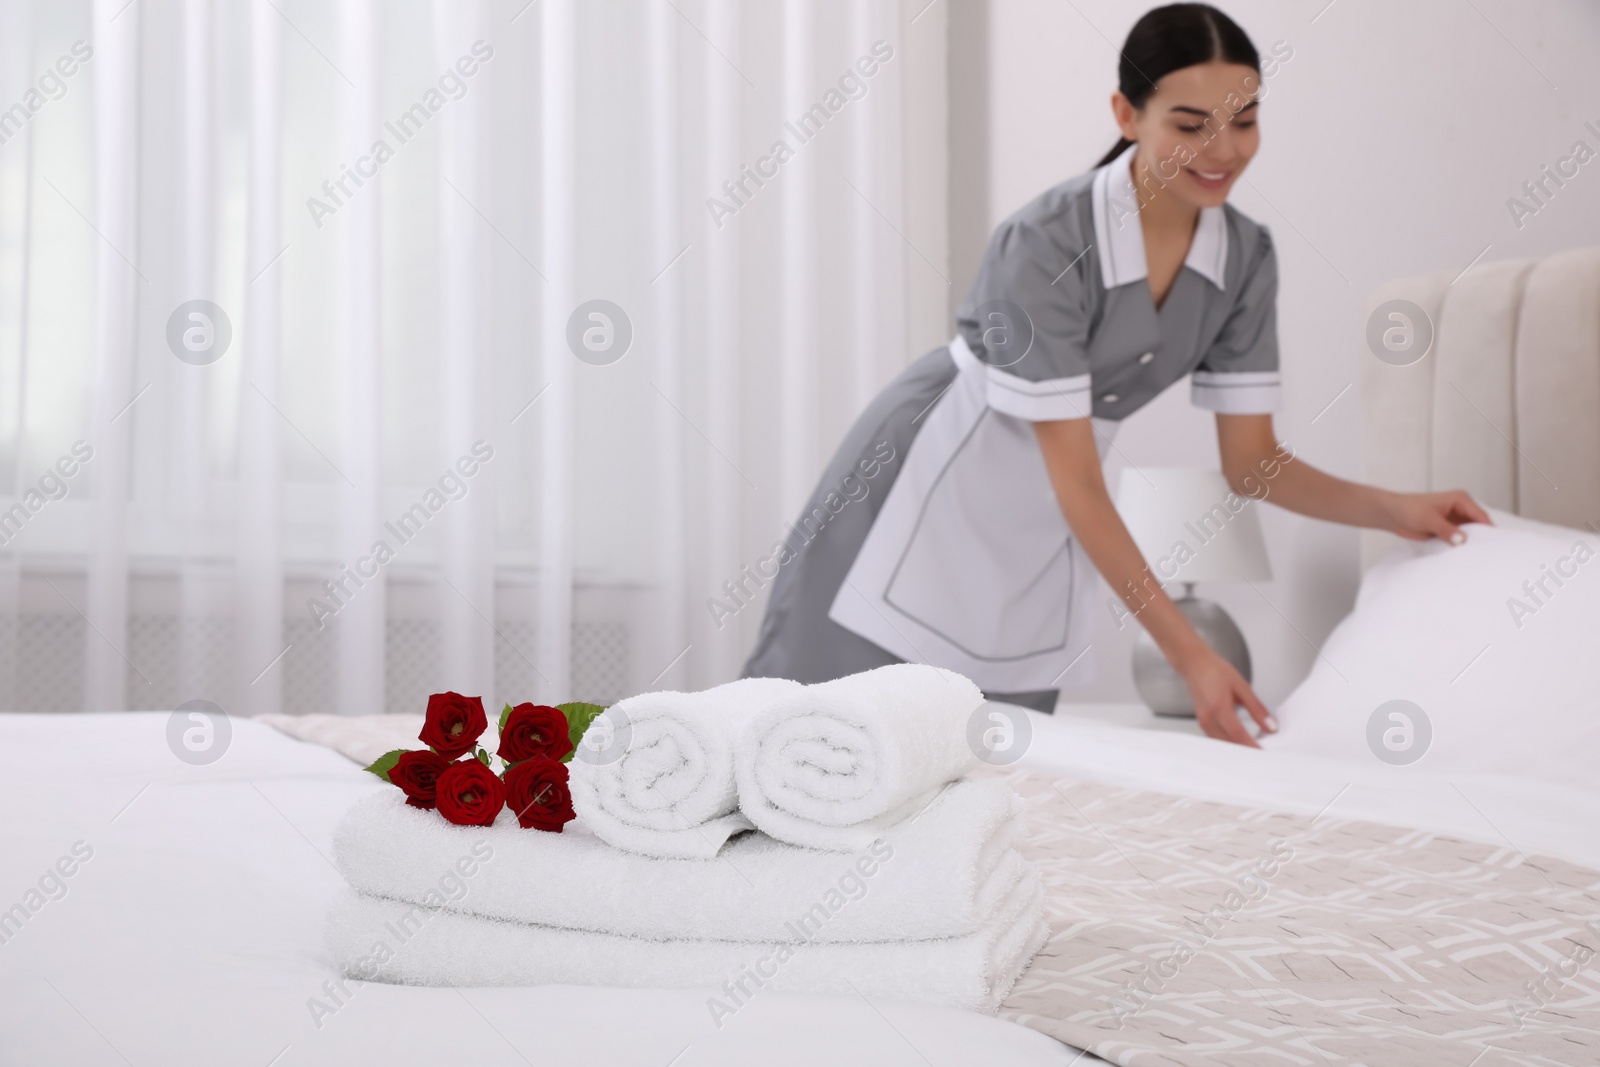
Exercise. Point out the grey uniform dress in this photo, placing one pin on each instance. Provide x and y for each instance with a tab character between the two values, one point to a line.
934	535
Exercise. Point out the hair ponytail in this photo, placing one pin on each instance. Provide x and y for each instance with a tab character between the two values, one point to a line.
1117	150
1170	38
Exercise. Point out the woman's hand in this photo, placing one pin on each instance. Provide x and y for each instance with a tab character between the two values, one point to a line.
1216	688
1419	516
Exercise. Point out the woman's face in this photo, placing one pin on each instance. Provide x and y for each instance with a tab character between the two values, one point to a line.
1198	130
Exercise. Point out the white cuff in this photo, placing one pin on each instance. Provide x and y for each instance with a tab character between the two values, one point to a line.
1237	392
1046	401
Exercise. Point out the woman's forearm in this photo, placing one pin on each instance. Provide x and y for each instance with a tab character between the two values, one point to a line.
1302	488
1073	463
1257	466
1216	687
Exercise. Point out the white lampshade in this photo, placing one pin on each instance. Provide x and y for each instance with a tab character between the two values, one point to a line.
1191	526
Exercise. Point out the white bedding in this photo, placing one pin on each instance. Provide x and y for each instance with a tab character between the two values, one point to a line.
1521	813
194	933
1477	657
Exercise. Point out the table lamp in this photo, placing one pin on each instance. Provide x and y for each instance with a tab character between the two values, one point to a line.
1191	527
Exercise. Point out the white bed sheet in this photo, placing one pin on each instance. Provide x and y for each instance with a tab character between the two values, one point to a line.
1521	814
194	935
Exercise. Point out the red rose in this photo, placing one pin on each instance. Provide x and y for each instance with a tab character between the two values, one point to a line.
454	724
534	730
469	794
417	773
536	792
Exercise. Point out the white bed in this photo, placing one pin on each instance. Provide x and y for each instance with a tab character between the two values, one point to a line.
194	933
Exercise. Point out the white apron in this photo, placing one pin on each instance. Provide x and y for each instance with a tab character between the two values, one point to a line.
970	565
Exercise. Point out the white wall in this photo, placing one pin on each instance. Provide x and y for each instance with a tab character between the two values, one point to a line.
1391	142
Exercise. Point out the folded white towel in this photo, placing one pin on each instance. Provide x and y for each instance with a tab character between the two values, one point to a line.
837	763
375	939
671	792
941	874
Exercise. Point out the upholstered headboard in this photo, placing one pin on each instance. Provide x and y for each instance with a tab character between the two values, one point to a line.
1506	401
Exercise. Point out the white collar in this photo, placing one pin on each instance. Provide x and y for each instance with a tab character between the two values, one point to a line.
1119	233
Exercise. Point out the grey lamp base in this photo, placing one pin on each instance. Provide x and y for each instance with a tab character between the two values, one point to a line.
1163	689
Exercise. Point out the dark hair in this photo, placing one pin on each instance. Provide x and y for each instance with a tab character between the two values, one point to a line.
1170	38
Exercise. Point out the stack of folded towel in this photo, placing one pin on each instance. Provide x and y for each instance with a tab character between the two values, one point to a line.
875	867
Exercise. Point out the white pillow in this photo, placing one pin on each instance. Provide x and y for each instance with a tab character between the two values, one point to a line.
1496	641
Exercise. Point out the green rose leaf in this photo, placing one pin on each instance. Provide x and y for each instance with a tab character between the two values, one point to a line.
504	715
385	763
579	717
483	757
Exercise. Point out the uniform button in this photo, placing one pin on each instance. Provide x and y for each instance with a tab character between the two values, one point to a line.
1109	398
1147	357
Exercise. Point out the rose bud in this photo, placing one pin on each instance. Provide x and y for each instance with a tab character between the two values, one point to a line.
469	794
536	792
454	723
534	730
417	773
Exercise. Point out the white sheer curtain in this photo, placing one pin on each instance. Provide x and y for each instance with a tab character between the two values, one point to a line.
399	475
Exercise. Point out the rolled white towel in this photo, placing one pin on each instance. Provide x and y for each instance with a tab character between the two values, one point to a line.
838	763
375	939
942	874
671	792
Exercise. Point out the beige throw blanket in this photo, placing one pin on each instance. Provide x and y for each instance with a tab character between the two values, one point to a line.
1188	933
